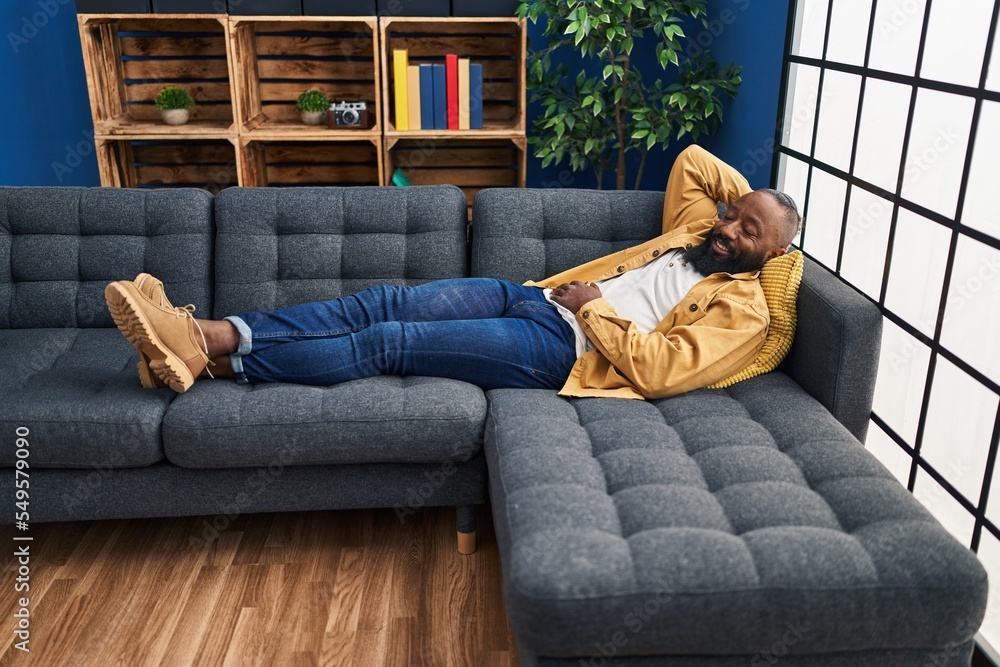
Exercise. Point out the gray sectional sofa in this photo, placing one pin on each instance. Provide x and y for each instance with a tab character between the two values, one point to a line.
732	527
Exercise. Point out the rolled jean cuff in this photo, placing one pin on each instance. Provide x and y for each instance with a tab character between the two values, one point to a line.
244	348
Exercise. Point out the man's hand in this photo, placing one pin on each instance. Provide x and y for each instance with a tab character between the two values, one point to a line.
572	296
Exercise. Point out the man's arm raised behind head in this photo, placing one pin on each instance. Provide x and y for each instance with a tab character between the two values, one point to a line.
697	181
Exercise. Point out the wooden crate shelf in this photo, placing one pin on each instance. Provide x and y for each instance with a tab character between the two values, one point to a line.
129	58
497	43
471	164
305	133
275	59
304	163
197	163
158	130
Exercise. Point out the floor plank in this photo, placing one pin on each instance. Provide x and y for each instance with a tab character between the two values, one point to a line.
308	589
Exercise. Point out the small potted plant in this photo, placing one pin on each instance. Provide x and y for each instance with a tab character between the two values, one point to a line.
174	103
313	106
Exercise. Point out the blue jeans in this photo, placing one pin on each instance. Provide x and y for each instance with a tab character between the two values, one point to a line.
489	332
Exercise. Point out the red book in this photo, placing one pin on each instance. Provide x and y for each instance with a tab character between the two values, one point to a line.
451	74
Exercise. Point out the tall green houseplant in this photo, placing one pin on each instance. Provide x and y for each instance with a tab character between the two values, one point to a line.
597	120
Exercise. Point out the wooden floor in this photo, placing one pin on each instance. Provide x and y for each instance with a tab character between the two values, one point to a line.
296	590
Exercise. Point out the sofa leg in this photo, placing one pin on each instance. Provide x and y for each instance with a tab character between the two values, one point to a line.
465	516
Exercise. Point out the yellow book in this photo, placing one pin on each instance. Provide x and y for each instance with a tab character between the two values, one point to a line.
400	60
413	95
463	93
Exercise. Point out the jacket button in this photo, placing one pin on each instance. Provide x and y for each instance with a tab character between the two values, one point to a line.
688	246
620	269
694	307
586	314
656	253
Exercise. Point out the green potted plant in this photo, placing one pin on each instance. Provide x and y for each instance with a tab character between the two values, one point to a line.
174	104
313	106
594	121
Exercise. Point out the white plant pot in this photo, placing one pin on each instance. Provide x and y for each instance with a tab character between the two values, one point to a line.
313	117
175	116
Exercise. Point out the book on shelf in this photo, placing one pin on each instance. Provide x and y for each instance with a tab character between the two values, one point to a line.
427	96
475	96
413	97
463	93
451	72
440	99
400	61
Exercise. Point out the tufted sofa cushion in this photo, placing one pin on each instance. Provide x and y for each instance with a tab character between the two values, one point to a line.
529	234
283	247
59	248
279	247
711	523
382	419
77	393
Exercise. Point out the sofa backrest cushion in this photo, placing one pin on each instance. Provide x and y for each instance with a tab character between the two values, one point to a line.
530	234
60	247
278	247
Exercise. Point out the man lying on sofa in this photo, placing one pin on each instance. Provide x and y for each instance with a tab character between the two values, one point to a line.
679	312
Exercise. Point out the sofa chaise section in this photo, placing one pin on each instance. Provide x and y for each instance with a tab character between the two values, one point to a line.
718	527
714	523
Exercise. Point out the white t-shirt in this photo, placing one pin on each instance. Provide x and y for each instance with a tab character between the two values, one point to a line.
643	296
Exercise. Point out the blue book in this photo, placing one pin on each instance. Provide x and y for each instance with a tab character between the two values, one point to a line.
427	97
475	96
440	99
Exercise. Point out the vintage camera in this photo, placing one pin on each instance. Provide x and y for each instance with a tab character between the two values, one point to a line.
349	114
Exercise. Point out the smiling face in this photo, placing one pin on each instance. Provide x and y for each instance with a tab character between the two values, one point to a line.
754	229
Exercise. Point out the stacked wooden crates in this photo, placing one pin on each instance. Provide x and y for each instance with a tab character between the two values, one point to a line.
274	60
128	59
246	72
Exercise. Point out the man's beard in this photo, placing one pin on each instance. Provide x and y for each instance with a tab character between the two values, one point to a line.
706	263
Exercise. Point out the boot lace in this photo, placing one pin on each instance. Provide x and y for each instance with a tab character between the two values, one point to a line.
188	311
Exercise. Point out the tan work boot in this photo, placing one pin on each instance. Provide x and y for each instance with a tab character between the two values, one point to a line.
152	288
165	336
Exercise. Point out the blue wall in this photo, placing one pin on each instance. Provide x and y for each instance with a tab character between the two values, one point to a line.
46	136
755	39
46	133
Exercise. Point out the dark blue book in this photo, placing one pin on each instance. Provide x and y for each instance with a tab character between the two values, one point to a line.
427	97
475	96
440	98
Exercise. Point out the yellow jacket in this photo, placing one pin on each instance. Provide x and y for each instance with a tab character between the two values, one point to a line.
715	331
